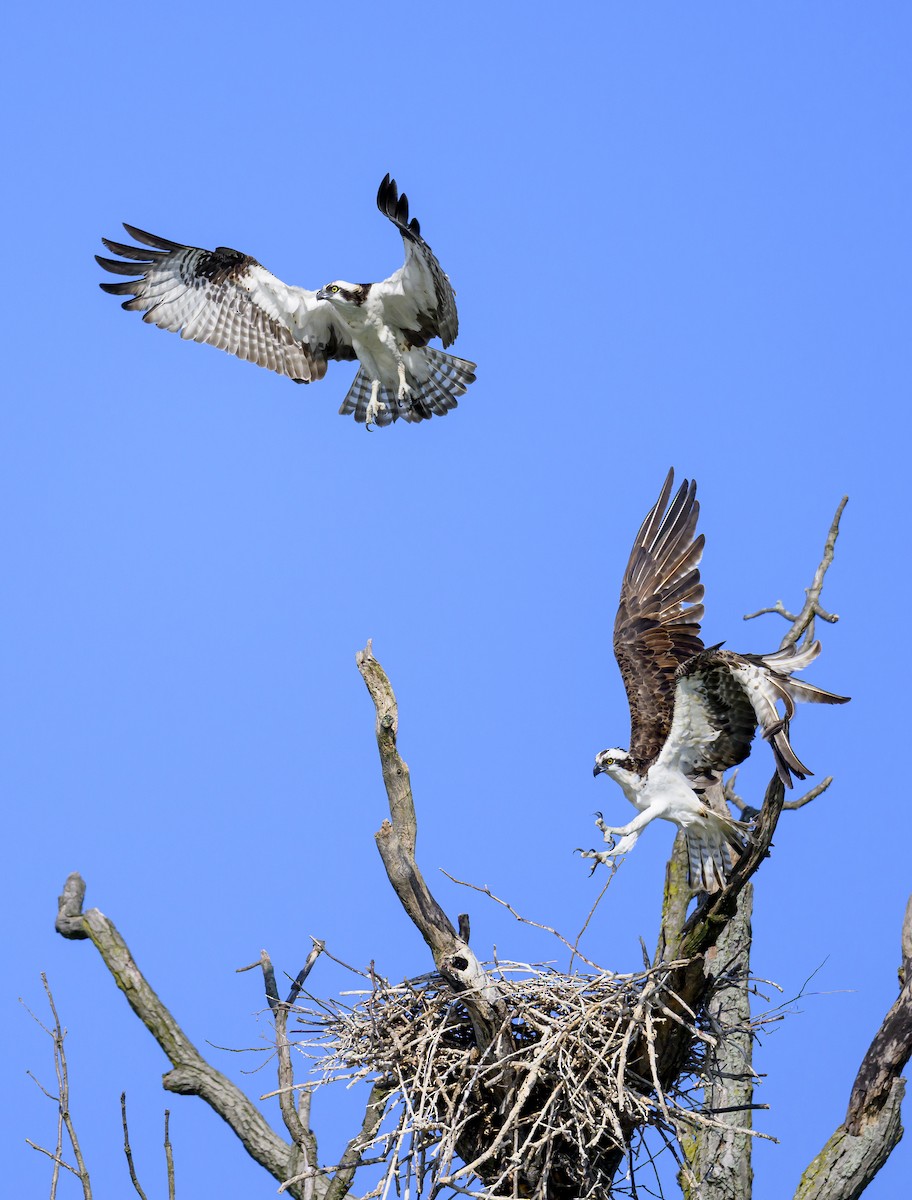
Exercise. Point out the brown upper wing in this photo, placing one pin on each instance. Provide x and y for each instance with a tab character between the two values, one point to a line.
654	632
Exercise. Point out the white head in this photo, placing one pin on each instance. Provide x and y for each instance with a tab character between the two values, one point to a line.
617	764
344	295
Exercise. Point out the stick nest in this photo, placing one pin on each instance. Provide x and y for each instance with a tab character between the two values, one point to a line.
554	1112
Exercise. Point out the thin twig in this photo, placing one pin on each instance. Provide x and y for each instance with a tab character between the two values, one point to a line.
579	937
486	891
57	1035
127	1151
790	805
802	623
169	1156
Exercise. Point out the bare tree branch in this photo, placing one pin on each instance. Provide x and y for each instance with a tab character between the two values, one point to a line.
169	1156
373	1115
747	811
127	1151
803	622
191	1075
64	1119
871	1129
396	843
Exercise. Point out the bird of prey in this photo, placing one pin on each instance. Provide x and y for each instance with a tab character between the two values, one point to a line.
229	300
693	710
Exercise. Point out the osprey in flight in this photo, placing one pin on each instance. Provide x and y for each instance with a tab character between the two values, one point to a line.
693	711
227	299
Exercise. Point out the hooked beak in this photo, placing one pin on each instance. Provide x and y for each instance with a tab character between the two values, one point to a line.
596	770
322	294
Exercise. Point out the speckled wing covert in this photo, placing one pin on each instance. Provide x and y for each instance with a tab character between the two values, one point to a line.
228	300
722	697
418	298
658	620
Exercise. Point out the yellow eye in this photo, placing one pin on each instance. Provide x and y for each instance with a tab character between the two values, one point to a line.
609	762
334	288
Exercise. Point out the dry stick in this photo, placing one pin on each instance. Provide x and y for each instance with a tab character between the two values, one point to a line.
789	806
127	1151
804	621
576	953
396	843
486	891
298	1128
348	1164
169	1156
64	1120
57	1156
56	1160
191	1074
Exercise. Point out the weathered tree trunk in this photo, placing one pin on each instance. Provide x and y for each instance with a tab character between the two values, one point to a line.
720	1159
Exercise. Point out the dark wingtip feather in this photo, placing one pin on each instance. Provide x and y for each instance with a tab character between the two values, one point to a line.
396	207
136	253
117	267
151	239
126	288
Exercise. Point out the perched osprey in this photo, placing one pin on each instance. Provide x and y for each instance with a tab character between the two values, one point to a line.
693	711
227	299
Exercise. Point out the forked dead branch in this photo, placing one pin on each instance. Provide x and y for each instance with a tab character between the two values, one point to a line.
511	1079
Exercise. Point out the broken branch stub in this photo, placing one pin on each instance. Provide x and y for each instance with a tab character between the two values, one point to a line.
396	839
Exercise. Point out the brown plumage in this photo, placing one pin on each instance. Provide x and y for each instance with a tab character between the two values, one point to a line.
693	711
654	632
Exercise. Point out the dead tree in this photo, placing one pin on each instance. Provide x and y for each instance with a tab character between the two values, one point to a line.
505	1080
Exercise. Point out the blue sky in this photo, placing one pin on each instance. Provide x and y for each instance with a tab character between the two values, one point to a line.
679	236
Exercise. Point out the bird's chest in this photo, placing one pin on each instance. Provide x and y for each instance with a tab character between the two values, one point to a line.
668	790
373	339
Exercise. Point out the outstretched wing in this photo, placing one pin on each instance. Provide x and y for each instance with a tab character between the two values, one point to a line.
418	298
225	298
720	700
654	632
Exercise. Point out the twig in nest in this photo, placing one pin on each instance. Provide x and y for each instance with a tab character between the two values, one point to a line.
566	1093
486	891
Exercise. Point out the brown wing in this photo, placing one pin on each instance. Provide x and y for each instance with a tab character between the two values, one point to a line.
654	632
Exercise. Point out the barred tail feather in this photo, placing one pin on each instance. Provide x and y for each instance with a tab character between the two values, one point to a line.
439	379
358	398
712	852
447	377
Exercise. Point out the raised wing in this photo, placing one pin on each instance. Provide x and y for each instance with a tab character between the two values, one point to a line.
225	298
654	632
418	298
720	700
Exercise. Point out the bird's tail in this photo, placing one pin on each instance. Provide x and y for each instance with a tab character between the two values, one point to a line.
712	851
437	379
774	683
